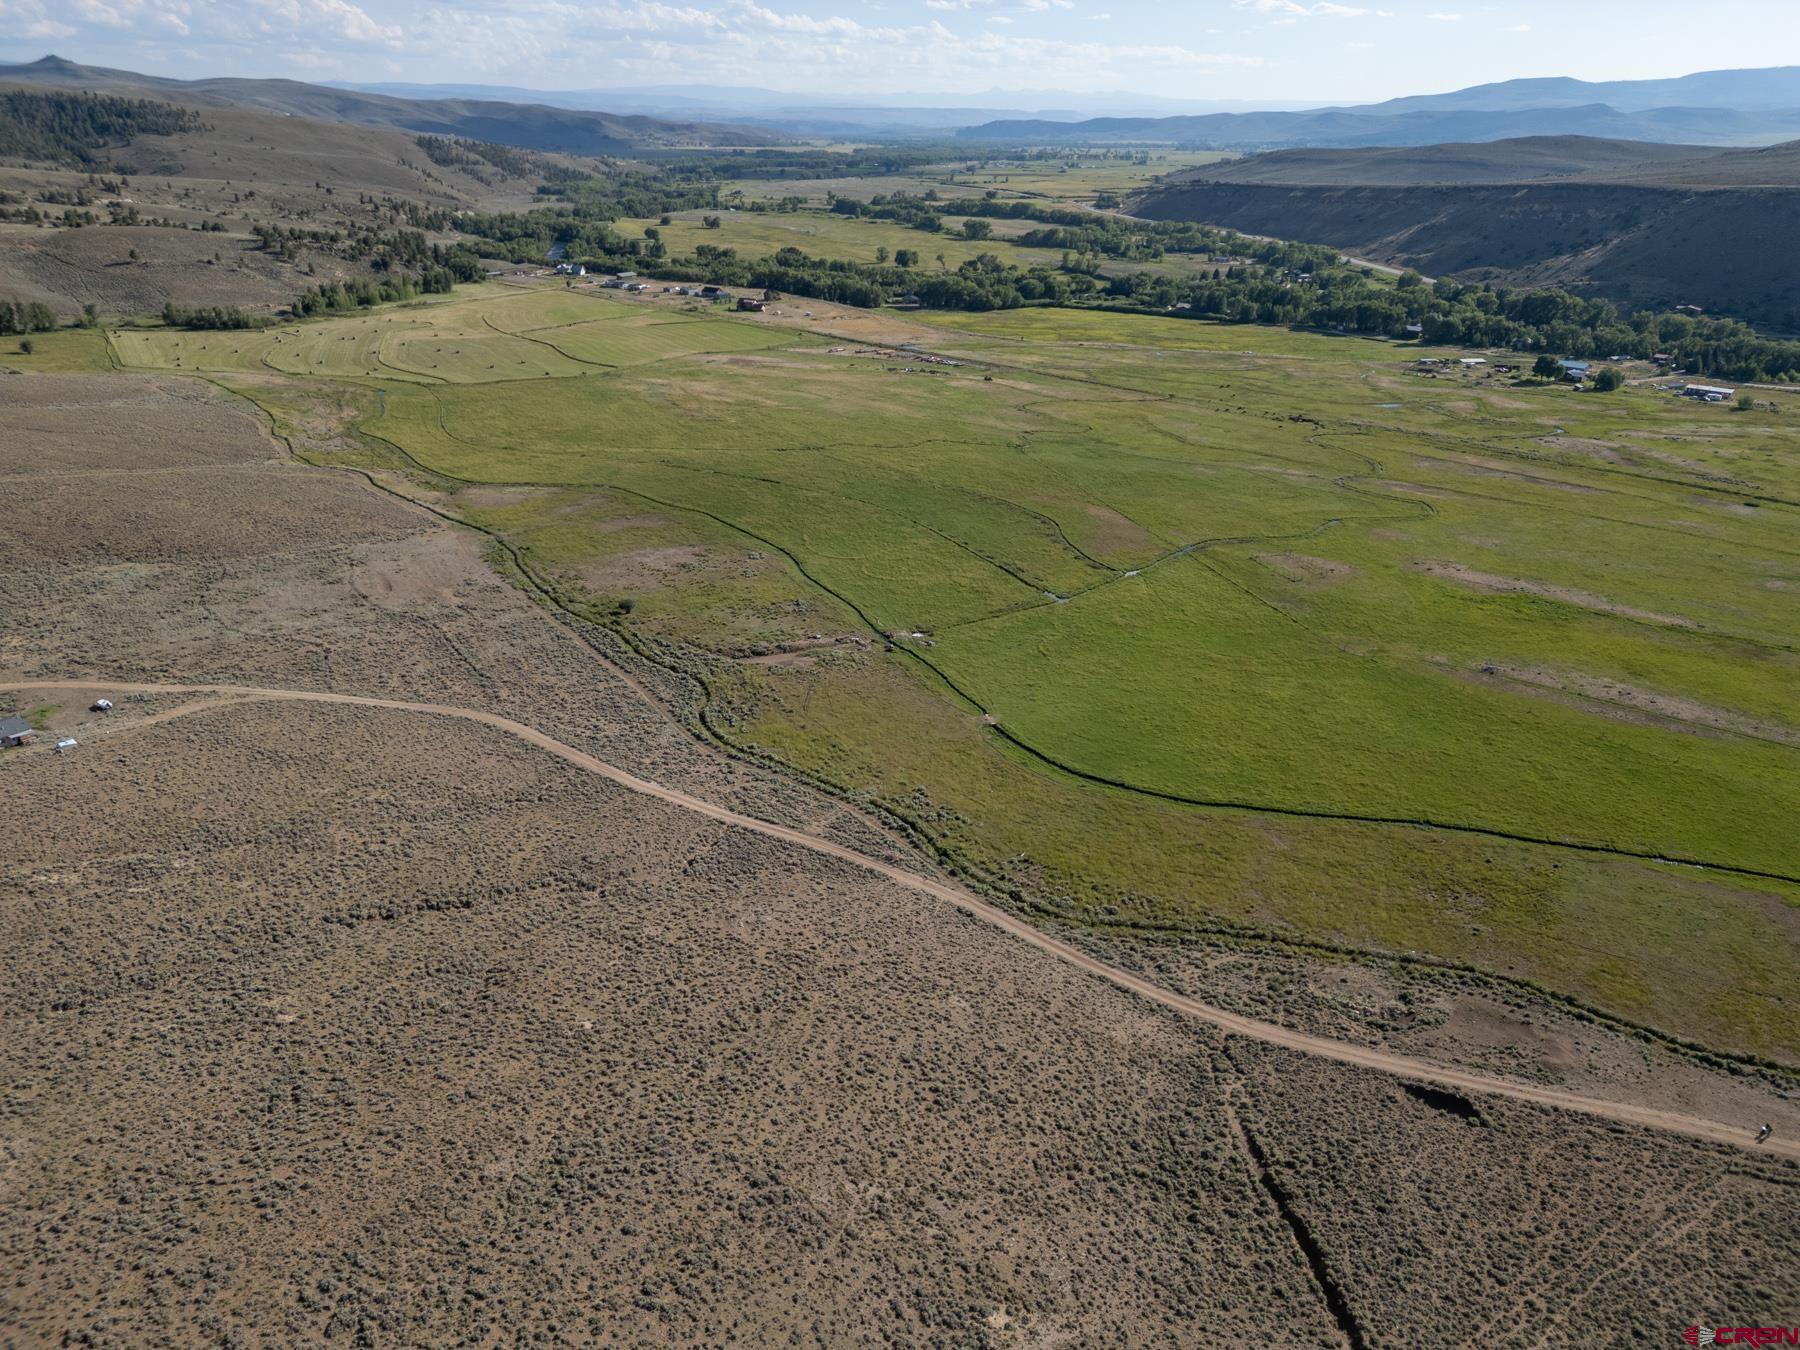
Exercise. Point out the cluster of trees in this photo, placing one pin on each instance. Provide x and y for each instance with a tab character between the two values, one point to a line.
25	316
407	253
124	213
1114	237
1571	325
630	192
451	153
866	162
69	128
920	212
209	316
583	227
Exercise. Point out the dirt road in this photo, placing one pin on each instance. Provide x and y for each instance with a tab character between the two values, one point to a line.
1740	1134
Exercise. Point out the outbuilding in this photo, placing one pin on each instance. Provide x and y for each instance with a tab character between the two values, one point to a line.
16	731
1707	393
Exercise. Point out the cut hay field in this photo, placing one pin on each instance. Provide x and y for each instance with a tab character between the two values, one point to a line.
1153	621
821	234
1075	178
498	336
1080	178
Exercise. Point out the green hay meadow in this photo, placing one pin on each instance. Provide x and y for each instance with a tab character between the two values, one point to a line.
1043	600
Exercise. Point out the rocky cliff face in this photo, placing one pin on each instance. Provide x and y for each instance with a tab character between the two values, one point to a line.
1646	246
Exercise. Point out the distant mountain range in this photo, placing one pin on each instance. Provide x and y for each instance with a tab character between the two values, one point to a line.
831	114
1713	108
1738	107
533	126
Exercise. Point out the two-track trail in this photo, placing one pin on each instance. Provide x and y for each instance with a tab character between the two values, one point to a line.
1343	1052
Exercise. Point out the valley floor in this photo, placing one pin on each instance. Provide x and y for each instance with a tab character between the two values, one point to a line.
326	1034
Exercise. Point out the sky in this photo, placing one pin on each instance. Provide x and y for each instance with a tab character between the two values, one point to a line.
1267	51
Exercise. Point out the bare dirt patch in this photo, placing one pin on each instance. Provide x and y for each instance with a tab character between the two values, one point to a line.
1608	451
641	521
1306	573
1481	469
1113	532
479	498
643	568
1648	702
1498	585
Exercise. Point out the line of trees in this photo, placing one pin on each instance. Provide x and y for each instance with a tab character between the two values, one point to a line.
210	316
25	316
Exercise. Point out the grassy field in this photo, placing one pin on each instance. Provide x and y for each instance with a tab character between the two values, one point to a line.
1157	621
824	234
757	234
1075	178
1080	178
497	337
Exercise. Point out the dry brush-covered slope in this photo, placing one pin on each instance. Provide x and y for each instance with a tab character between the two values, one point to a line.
208	186
332	1022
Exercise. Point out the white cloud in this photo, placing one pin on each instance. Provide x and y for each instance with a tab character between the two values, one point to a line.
330	18
27	20
1292	11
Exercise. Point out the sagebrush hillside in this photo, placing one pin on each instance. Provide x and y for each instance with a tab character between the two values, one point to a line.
532	126
128	204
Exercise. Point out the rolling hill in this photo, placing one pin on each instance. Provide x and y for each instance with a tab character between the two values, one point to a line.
529	126
1525	159
1772	87
1750	107
138	204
